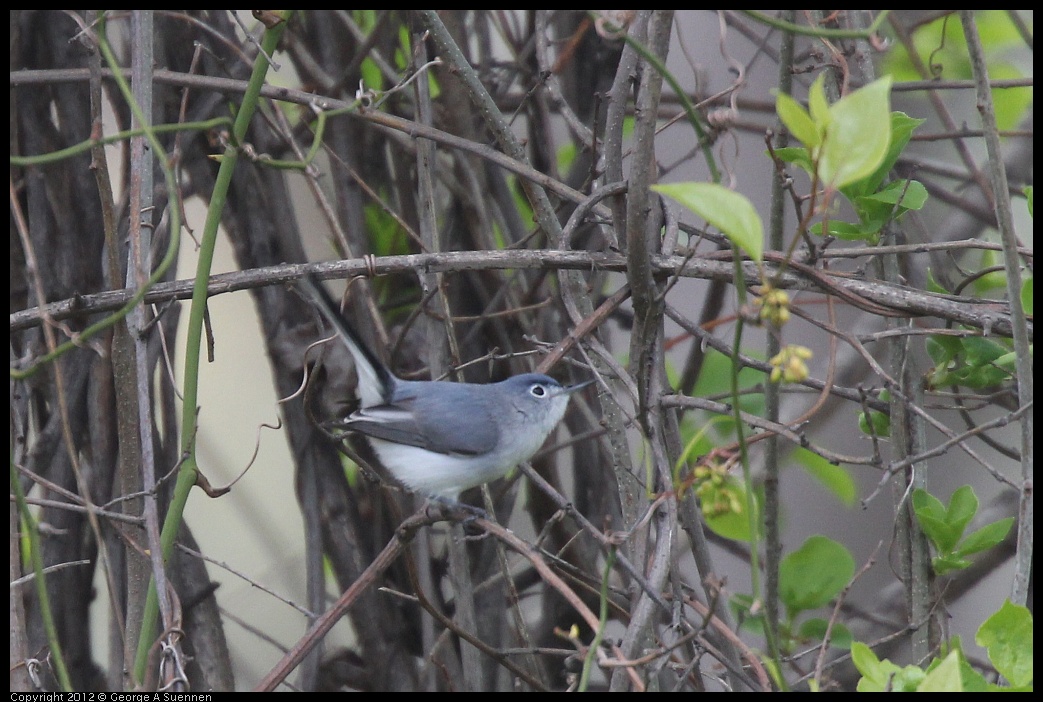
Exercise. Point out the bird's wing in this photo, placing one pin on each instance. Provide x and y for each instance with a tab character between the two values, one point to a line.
442	429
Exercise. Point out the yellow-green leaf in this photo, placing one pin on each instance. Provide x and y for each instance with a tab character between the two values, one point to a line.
797	120
858	136
725	209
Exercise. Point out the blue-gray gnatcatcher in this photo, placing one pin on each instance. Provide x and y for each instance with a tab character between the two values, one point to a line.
439	438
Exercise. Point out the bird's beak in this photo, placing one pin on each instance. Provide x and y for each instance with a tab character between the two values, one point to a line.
578	386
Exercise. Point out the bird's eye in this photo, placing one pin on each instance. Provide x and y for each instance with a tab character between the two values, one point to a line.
538	390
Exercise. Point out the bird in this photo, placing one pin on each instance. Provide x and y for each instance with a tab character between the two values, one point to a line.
438	437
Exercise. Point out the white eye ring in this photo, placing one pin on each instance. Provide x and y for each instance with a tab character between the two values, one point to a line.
537	390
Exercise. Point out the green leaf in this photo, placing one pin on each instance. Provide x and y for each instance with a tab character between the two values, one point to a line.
942	348
814	629
797	120
902	127
874	215
979	377
928	505
985	538
846	231
370	73
858	135
881	424
876	674
798	155
386	235
863	658
715	379
907	195
933	285
741	605
725	209
980	351
1007	636
946	677
814	574
942	535
818	106
963	505
1012	104
993	280
734	523
944	526
907	679
837	480
1026	295
752	618
973	681
1007	362
948	563
934	521
879	675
